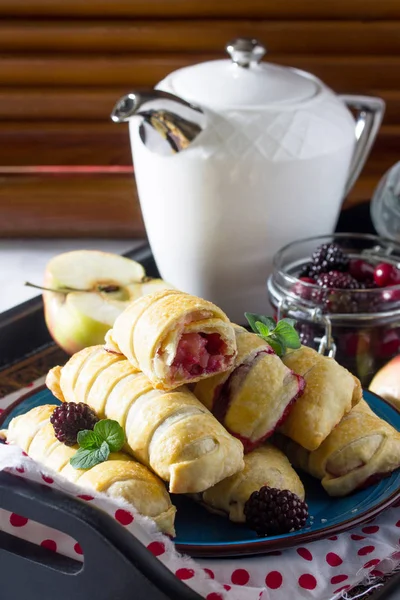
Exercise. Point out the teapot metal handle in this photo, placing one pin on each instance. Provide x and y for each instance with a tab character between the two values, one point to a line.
370	113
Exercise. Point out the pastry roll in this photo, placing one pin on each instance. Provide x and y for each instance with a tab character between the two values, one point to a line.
360	450
264	466
170	432
119	477
330	392
174	338
256	395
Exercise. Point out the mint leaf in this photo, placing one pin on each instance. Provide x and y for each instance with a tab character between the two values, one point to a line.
287	334
111	432
262	329
252	319
279	336
276	345
86	459
89	440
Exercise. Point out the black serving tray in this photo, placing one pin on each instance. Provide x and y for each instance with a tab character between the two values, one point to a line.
116	565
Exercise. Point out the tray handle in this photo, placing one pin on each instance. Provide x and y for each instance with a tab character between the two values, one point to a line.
116	565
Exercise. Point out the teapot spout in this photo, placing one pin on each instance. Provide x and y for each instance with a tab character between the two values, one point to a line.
129	105
173	128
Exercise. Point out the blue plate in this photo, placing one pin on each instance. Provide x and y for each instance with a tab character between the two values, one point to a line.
201	533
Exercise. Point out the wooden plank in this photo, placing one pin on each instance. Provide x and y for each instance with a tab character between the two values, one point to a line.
69	206
38	206
95	104
93	143
286	37
344	74
273	9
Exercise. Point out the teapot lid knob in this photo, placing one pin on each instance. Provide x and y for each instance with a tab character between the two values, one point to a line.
244	51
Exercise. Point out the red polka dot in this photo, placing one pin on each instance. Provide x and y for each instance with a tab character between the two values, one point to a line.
78	549
49	544
1	411
184	574
156	548
29	385
20	469
209	573
338	579
240	577
124	517
333	559
370	529
307	581
398	524
342	589
24	453
17	520
304	553
356	537
365	550
274	580
85	497
227	587
47	479
377	573
372	563
214	596
333	538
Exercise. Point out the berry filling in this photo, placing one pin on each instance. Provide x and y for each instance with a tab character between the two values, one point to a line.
372	479
198	354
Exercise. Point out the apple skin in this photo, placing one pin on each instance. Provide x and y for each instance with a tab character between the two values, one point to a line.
69	328
386	382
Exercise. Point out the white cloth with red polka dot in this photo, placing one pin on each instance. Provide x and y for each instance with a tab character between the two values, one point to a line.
323	570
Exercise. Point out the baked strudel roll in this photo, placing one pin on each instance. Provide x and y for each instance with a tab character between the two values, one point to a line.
330	392
264	466
360	450
170	432
119	477
256	395
174	338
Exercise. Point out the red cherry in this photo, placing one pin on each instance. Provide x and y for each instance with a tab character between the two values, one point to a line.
361	270
386	274
391	295
389	345
304	291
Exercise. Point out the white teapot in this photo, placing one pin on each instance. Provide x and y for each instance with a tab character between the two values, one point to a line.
267	155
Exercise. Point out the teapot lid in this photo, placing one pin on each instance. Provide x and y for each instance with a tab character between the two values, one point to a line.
243	82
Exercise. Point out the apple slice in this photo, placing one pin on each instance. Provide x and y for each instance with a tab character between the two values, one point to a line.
95	287
386	382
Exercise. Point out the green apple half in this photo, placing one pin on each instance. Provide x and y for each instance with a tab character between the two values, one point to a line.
95	287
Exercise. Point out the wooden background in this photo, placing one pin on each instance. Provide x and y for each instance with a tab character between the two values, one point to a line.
64	63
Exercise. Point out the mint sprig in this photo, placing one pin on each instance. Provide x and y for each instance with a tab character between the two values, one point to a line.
280	336
95	446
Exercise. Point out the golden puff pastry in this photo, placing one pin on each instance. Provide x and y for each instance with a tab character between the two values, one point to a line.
330	392
360	450
174	338
119	477
256	395
264	466
170	432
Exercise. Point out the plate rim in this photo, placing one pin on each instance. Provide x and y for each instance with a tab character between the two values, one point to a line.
263	546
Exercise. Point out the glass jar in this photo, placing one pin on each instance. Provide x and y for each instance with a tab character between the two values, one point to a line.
385	205
359	327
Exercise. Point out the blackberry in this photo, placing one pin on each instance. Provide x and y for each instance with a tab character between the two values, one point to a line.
270	511
70	418
338	281
328	257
